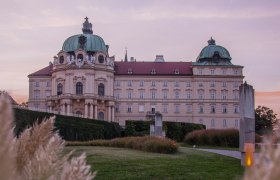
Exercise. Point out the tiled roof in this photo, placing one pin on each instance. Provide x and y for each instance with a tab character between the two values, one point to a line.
43	72
160	68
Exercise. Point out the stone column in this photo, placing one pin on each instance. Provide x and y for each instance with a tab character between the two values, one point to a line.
247	120
109	113
68	109
86	110
63	109
113	113
95	111
91	111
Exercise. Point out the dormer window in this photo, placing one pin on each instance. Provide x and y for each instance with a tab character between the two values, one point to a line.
177	71
153	71
101	59
129	71
61	59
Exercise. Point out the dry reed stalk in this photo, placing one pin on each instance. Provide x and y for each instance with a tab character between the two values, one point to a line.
37	153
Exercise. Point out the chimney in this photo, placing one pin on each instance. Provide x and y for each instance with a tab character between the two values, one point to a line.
159	58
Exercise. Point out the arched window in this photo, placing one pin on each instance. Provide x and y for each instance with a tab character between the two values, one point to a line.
61	59
79	88
80	56
79	113
101	59
101	89
101	116
59	89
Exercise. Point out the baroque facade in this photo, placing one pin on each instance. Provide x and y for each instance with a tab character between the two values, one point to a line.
84	80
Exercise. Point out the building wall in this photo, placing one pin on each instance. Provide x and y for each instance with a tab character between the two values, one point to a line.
39	89
180	98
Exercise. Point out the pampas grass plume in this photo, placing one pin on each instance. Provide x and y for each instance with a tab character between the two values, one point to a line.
37	153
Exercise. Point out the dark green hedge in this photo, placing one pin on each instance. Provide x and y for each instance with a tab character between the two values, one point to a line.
70	128
173	130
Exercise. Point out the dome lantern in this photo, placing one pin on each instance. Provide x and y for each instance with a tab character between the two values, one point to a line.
87	27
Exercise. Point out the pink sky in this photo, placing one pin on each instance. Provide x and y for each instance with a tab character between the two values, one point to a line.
32	32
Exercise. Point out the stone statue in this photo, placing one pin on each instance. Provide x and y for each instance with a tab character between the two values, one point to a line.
68	58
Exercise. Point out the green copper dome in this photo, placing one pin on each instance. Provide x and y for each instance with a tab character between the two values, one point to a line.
87	41
213	51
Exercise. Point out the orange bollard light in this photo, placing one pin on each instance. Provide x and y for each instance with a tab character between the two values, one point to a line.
249	154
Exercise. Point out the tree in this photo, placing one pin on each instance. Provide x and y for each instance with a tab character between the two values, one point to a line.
265	120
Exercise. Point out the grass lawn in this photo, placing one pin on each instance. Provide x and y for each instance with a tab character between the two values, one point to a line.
119	163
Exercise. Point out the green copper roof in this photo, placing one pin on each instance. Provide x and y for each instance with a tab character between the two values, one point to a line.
86	41
212	49
93	43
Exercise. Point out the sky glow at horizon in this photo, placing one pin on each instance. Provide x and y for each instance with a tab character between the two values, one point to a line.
32	32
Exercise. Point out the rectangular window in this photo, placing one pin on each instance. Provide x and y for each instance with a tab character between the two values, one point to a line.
212	94
36	94
129	83
213	109
188	94
48	93
224	71
224	123
189	108
224	84
177	95
164	95
236	123
224	108
117	95
48	83
177	108
165	108
212	71
236	94
153	94
200	109
235	72
117	83
224	94
200	121
141	95
235	84
236	109
129	95
200	94
200	71
176	83
212	122
37	84
212	84
164	83
141	83
200	84
153	83
129	108
141	108
117	108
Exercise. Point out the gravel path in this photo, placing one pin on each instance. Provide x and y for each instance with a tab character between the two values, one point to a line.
234	154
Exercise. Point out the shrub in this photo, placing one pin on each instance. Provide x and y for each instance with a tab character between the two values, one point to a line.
214	137
173	130
146	143
70	128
